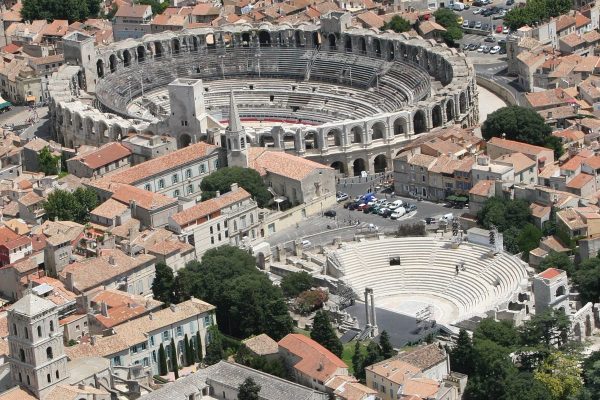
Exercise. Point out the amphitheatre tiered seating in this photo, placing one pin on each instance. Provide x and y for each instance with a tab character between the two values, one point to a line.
428	268
340	94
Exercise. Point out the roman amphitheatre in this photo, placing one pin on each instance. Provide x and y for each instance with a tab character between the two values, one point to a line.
346	97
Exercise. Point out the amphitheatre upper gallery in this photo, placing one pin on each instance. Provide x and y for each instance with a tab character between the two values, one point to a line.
327	91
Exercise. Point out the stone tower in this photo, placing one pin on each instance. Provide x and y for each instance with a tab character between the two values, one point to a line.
80	49
187	122
35	340
235	137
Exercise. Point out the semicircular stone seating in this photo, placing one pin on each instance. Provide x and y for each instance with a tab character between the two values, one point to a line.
428	268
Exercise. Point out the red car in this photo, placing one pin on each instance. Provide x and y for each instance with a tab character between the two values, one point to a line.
362	207
499	29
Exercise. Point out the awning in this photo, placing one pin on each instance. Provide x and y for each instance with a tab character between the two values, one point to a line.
451	198
30	98
462	199
5	104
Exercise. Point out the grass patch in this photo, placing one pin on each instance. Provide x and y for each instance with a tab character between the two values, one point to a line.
302	331
348	353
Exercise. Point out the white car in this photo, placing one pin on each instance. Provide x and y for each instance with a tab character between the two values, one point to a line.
495	50
400	211
478	25
306	243
466	23
505	30
395	204
481	48
477	11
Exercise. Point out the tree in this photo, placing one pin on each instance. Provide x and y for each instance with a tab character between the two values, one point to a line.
357	360
397	24
222	179
162	360
500	332
561	375
535	11
189	356
461	356
322	332
49	164
591	375
162	285
587	280
504	214
522	386
199	355
387	350
520	124
248	390
72	10
557	260
449	20
373	356
214	349
66	206
174	364
528	239
295	283
549	329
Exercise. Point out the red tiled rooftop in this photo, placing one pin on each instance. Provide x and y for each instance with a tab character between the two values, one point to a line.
550	273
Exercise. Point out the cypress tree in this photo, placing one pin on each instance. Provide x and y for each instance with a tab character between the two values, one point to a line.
387	350
199	354
174	364
323	333
188	353
162	360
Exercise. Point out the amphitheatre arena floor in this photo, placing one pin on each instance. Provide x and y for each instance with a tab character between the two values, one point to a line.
488	103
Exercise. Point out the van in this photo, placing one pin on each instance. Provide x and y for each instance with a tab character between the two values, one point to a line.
447	217
458	6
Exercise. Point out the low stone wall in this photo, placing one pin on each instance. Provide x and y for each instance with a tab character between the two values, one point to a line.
497	89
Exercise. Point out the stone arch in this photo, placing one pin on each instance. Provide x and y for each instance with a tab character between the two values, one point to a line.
175	46
358	166
49	353
380	163
378	130
266	141
577	331
334	138
362	45
561	291
227	39
449	110
184	140
311	140
126	58
245	39
356	134
339	166
348	44
316	36
390	53
264	38
419	122
100	68
400	126
103	129
289	141
158	49
194	43
211	43
141	53
112	61
298	39
332	41
377	47
436	116
588	325
462	102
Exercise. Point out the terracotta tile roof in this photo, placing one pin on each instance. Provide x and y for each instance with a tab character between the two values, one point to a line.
482	188
159	165
519	161
4	349
261	345
569	135
573	163
143	198
395	370
110	209
564	21
573	39
277	162
513	145
58	27
550	273
371	19
169	246
134	11
205	9
315	360
591	36
68	392
430	26
581	20
17	393
592	162
210	206
122	307
24	266
135	331
580	181
93	272
11	240
539	211
30	199
422	160
105	155
554	97
538	252
11	48
4	327
554	243
354	391
571	218
60	295
424	357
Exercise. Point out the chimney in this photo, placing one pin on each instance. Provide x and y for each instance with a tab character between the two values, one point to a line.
234	187
111	260
150	316
130	305
132	205
81	386
549	114
92	340
70	281
218	194
173	307
104	309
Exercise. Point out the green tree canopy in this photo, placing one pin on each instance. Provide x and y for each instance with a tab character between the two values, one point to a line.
247	301
397	24
214	348
461	355
295	283
523	125
157	6
162	285
535	11
587	280
557	260
500	332
72	10
248	390
66	206
561	375
322	332
449	20
504	214
387	350
49	164
247	178
591	375
162	360
174	363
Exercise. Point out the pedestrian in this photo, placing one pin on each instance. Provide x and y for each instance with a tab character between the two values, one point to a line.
456	269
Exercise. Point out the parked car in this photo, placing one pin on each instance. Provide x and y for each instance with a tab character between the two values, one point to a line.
490	39
495	50
472	24
330	213
499	29
341	197
478	25
383	211
386	213
476	10
506	30
395	204
410	207
362	206
502	51
353	206
429	220
510	2
473	46
306	243
465	23
486	27
400	211
486	49
480	49
347	204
